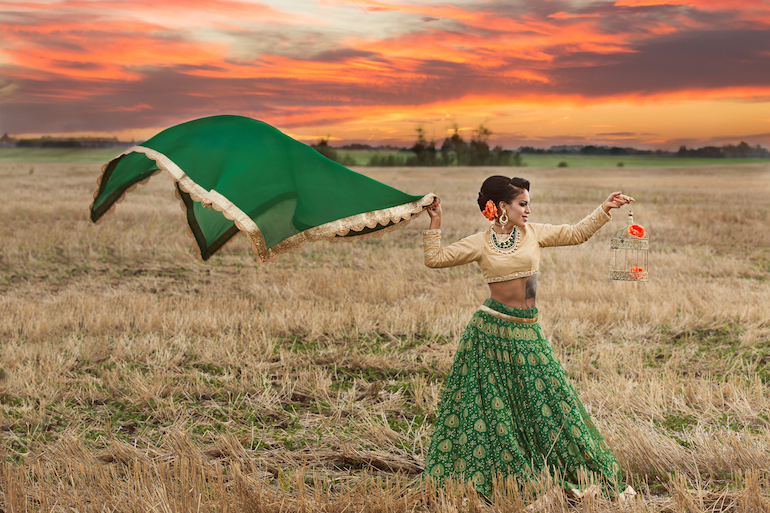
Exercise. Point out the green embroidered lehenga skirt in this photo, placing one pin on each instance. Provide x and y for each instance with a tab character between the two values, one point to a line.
508	409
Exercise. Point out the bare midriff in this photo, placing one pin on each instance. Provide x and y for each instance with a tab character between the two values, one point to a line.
518	293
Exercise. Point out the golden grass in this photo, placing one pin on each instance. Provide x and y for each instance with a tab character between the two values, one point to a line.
136	378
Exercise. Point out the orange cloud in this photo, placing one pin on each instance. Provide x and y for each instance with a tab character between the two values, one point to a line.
117	56
567	15
135	108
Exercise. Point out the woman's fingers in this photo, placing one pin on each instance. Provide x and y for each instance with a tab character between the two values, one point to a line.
434	209
619	198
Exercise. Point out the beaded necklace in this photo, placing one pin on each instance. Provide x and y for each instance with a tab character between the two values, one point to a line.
506	245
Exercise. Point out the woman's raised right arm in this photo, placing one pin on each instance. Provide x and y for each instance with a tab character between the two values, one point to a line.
461	252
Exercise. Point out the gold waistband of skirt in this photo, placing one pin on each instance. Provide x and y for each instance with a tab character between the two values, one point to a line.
506	317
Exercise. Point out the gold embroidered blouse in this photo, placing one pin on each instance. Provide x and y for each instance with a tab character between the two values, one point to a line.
524	261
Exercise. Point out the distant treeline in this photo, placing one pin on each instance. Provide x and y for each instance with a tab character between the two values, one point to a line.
592	150
63	142
322	147
743	150
455	151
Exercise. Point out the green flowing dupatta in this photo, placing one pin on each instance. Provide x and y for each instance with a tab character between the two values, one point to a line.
238	174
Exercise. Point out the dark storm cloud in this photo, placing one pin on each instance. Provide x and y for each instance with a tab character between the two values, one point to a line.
175	97
338	55
678	62
299	43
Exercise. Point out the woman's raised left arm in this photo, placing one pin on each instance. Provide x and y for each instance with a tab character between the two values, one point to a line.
549	235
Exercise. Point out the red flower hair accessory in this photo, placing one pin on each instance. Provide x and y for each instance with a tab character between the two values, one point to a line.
636	231
638	272
490	212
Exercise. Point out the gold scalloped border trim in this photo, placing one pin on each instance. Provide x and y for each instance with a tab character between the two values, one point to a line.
514	276
122	196
506	317
389	218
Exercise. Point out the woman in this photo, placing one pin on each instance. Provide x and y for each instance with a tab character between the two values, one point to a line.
508	408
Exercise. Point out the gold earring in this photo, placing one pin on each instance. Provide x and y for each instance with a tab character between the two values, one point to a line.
504	218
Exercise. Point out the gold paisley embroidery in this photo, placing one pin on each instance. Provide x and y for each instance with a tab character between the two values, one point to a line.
445	446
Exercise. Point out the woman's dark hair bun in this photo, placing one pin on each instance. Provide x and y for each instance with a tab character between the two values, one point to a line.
501	188
520	183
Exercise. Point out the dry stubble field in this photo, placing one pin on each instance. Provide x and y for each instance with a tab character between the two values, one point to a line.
134	377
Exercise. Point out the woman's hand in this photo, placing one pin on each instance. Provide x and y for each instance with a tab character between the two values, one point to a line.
434	211
616	200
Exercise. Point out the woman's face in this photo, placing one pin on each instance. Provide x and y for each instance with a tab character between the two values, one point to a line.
518	209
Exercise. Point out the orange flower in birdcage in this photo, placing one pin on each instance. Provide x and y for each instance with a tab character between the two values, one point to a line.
636	231
638	273
490	212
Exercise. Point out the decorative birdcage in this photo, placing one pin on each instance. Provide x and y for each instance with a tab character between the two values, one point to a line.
629	246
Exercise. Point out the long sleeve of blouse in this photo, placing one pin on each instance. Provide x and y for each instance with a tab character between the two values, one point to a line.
461	252
549	235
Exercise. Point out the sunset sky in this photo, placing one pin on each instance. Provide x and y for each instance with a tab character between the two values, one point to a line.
643	73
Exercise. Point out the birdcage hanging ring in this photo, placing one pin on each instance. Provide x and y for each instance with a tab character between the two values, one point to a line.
630	246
